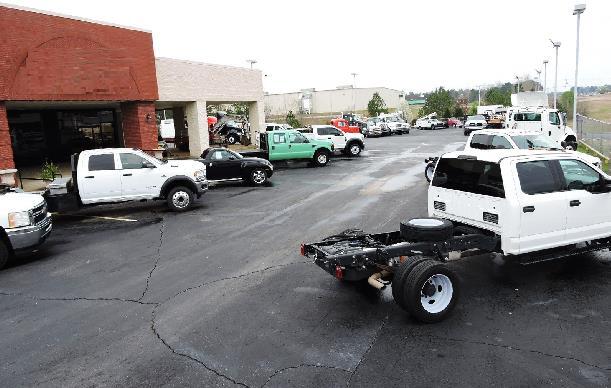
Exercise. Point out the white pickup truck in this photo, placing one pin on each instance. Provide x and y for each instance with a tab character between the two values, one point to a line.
24	223
348	143
429	122
528	206
113	175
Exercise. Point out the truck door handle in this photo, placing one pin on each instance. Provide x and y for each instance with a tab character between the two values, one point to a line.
89	177
127	174
575	202
528	209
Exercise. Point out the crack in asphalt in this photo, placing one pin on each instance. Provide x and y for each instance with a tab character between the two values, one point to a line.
514	348
282	370
77	298
373	341
148	278
190	357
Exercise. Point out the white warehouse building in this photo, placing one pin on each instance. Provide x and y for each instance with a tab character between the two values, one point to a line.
341	99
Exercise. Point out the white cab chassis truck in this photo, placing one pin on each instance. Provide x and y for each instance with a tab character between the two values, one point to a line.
347	143
528	206
113	175
24	223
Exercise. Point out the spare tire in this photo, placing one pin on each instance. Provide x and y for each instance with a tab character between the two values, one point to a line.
426	229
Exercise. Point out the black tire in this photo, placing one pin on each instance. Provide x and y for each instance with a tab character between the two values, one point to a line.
232	139
180	198
466	132
257	177
321	158
398	279
430	168
426	229
434	285
354	149
5	254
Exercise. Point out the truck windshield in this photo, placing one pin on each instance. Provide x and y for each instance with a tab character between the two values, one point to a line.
529	142
472	176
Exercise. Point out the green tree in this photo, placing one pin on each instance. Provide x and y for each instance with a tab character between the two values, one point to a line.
376	105
292	120
498	96
458	111
439	101
473	108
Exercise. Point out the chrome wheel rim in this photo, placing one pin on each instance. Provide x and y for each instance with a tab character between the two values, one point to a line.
181	199
436	293
231	140
355	150
258	176
322	158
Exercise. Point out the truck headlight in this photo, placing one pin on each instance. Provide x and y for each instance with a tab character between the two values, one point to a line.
200	175
19	219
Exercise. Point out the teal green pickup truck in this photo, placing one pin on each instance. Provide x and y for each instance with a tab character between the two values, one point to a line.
292	145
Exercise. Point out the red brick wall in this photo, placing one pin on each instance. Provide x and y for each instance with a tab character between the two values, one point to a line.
6	149
138	132
46	57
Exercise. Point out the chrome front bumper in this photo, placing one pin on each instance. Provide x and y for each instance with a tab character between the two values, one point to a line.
30	236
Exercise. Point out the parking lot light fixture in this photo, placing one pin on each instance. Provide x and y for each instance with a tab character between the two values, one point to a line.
579	9
556	46
545	62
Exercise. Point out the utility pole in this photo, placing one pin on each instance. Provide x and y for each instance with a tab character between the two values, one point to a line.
579	8
556	46
479	95
353	92
518	87
538	78
545	62
252	62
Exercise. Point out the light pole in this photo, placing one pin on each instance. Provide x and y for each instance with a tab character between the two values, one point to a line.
353	93
545	62
579	8
556	46
518	88
251	61
538	78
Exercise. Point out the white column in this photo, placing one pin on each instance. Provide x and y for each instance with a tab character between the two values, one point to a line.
197	122
256	117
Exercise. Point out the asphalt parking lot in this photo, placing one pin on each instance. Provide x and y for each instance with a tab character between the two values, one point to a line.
219	296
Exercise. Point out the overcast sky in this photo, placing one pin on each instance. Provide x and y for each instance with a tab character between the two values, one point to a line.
409	45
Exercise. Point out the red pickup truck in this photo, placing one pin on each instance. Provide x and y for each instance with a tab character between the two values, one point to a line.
343	126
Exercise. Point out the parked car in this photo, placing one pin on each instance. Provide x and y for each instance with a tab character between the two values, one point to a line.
112	175
397	125
529	206
24	223
276	127
428	122
224	164
348	143
344	126
373	128
473	123
281	145
455	123
385	129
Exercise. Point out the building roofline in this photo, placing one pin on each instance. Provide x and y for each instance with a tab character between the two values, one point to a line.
77	18
205	63
331	90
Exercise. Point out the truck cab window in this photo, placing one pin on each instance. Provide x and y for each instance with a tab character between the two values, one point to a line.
279	138
102	162
500	143
537	177
132	161
473	176
480	141
554	118
575	171
297	138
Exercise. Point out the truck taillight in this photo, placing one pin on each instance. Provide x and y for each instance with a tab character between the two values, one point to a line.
303	252
339	272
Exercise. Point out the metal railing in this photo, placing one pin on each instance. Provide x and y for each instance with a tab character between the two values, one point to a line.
596	134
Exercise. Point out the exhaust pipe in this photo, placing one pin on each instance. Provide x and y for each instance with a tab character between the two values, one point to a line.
375	280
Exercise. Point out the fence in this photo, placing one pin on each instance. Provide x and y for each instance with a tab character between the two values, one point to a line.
594	133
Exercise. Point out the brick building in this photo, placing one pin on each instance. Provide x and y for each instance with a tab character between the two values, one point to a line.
68	84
